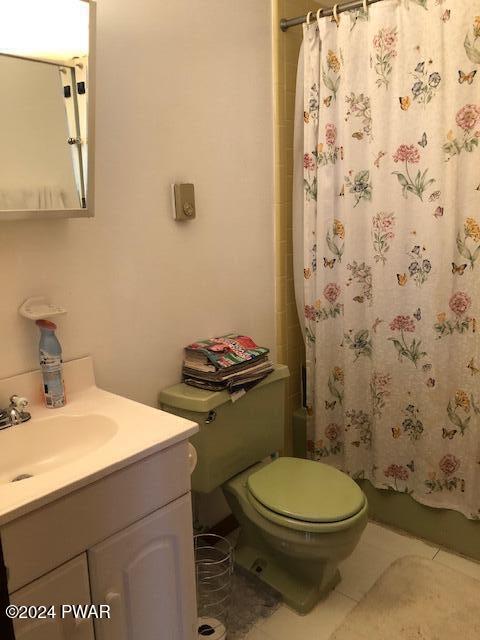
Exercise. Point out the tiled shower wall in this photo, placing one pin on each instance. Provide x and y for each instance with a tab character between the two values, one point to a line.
290	347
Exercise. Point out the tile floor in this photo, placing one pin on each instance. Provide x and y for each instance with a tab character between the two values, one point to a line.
378	548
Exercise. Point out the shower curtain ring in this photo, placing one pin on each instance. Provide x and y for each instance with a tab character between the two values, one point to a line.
335	14
309	14
365	6
319	15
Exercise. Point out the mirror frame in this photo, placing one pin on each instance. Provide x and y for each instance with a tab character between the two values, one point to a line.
89	212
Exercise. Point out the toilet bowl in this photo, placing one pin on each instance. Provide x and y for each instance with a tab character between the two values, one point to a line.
298	520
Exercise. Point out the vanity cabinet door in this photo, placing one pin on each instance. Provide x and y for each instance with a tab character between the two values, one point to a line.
66	585
146	574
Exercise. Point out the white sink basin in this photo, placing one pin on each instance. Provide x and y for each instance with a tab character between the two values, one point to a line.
41	445
96	434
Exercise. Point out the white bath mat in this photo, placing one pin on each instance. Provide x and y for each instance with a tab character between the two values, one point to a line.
416	599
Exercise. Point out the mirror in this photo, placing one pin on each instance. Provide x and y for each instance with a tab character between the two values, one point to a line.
46	108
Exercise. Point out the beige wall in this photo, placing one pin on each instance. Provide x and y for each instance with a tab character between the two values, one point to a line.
289	338
184	93
290	345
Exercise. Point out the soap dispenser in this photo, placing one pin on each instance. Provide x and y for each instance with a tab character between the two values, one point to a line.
50	352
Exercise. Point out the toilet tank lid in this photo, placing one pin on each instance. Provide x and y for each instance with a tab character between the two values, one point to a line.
182	396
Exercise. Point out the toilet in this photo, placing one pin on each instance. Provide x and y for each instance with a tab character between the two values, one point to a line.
298	518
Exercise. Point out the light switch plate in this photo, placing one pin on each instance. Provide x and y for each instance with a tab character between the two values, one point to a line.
184	201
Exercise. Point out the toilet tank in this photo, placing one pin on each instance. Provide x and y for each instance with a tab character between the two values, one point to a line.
232	435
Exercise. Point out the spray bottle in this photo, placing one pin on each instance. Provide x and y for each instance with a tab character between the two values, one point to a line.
51	364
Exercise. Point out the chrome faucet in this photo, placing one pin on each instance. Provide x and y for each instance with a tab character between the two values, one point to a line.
15	412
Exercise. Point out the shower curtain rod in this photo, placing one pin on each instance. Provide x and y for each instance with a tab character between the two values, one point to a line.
286	23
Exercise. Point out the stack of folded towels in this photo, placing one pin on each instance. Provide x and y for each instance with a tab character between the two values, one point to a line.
231	362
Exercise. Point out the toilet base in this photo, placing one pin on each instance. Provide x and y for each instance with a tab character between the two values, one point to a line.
300	594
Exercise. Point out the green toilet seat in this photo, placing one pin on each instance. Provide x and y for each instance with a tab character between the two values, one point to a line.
306	495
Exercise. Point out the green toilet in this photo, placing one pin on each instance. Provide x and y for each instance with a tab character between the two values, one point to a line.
298	518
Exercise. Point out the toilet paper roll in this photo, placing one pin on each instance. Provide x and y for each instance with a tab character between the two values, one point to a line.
192	457
211	629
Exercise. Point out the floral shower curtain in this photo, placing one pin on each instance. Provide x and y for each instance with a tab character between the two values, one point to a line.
392	247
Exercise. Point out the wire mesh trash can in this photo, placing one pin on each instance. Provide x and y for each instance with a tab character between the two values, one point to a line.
213	569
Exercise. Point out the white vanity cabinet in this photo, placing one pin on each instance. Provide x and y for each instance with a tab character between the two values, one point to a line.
67	584
144	574
125	540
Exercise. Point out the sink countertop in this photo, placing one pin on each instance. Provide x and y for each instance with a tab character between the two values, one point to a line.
141	431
